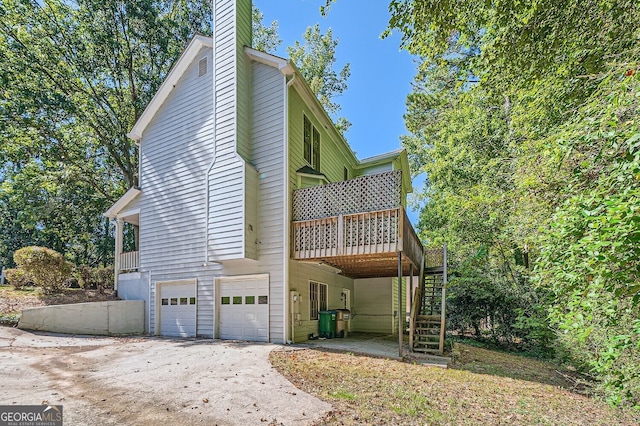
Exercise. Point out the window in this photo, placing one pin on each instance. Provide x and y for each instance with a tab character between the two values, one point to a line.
237	300
317	299
249	300
311	144
346	174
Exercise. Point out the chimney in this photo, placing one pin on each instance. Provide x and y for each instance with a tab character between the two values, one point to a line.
232	75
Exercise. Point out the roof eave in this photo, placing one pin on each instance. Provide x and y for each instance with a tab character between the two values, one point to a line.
176	72
128	196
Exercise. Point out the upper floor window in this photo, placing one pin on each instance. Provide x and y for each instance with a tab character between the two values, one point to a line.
311	144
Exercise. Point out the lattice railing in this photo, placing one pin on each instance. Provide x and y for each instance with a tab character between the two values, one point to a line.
382	191
434	258
350	234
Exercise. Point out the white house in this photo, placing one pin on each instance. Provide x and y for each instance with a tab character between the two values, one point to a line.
253	214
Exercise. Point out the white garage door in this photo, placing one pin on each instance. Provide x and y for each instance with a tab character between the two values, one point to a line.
177	308
243	304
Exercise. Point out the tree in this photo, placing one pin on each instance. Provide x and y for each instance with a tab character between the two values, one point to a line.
74	77
315	59
521	117
265	38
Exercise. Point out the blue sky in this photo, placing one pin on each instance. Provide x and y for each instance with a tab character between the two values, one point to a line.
381	73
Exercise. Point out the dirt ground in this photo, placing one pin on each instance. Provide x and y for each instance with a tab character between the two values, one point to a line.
13	301
148	381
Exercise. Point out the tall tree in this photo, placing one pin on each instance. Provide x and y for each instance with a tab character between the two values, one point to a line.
74	78
265	38
521	118
315	58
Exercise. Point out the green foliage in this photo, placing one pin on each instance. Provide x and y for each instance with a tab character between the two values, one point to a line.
524	118
591	256
74	77
315	59
265	38
96	278
45	267
18	278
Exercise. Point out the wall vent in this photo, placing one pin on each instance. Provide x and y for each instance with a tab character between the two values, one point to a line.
202	67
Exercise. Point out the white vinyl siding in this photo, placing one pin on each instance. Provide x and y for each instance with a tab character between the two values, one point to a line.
175	152
227	222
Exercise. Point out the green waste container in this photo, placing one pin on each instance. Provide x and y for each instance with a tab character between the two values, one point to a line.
327	324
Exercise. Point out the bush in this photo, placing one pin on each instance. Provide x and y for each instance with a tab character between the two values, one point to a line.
45	267
17	278
85	277
96	278
104	278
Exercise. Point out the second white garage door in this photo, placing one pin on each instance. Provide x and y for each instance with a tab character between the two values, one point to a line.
243	304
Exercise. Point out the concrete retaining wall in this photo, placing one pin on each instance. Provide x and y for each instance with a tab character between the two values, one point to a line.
101	318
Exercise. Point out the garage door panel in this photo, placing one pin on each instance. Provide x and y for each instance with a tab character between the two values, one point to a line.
241	315
177	309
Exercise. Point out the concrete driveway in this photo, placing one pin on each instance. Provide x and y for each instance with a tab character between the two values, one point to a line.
147	381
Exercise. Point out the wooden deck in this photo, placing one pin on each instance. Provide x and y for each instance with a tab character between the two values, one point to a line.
361	244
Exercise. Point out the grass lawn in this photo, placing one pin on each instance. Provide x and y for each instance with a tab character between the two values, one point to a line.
482	387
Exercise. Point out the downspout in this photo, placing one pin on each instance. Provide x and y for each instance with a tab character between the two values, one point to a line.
287	231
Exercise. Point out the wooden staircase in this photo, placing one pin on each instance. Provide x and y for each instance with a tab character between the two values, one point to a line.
427	324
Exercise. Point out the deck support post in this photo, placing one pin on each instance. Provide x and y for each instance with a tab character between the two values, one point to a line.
400	314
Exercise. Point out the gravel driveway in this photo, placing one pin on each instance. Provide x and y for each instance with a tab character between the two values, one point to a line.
147	381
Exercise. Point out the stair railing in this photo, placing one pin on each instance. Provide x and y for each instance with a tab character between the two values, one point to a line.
417	302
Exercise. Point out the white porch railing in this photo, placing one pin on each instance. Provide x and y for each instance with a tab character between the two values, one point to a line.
129	261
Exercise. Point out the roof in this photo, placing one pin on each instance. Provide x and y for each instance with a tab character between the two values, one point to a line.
308	170
399	154
179	68
129	196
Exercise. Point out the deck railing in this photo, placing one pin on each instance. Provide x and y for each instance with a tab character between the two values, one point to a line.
361	217
349	234
129	261
370	193
357	234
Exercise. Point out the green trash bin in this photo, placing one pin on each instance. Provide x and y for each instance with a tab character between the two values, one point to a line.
327	324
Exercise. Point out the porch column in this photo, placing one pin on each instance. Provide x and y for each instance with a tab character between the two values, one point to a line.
400	314
118	252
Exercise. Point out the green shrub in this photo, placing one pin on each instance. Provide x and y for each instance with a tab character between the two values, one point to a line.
17	278
104	278
85	277
45	267
96	278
